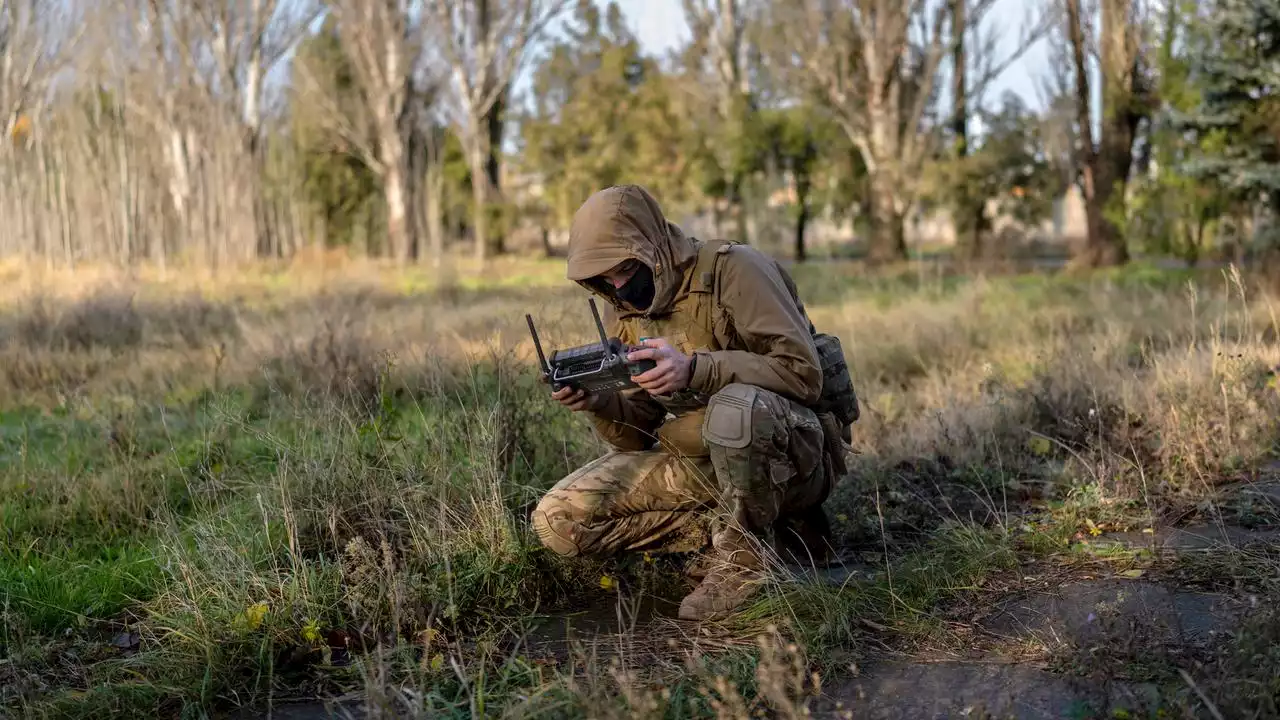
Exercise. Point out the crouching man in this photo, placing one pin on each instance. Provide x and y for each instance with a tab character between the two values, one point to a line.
730	445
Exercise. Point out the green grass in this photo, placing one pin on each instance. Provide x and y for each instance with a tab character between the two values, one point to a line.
902	598
276	507
272	496
55	589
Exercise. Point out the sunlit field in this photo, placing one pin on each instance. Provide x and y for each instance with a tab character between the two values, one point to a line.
232	495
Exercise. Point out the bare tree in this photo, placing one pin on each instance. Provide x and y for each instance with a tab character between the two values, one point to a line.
1105	162
875	63
167	82
976	61
485	44
969	218
246	40
36	39
382	41
427	133
148	142
1058	120
36	44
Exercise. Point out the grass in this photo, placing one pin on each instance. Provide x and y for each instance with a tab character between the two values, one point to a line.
219	494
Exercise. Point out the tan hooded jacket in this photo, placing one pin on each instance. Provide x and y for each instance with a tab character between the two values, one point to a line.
762	336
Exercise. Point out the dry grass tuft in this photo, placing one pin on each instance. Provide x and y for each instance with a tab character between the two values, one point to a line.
108	320
337	363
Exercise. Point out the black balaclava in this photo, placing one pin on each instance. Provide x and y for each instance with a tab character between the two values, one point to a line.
638	291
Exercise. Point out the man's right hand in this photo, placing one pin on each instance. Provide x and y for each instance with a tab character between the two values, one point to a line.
575	400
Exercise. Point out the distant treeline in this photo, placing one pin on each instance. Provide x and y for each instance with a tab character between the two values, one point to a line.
223	131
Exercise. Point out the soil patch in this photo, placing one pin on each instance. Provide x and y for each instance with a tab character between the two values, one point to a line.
1193	538
970	690
1090	613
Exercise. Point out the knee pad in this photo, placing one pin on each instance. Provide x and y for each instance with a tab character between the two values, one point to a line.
554	526
764	449
731	417
748	453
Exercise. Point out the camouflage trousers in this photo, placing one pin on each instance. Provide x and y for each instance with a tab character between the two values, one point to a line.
765	455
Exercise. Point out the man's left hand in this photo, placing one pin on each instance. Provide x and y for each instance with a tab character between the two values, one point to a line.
672	372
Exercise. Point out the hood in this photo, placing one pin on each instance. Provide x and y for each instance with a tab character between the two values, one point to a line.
624	222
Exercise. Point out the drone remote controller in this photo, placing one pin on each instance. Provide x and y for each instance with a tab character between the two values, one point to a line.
597	367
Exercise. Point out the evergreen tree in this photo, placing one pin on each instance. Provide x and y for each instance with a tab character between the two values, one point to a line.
805	144
601	114
1007	167
1169	211
1237	63
336	182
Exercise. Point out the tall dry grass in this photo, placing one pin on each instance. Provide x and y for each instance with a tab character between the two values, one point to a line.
285	472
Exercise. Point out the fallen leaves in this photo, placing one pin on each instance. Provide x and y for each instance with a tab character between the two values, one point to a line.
251	617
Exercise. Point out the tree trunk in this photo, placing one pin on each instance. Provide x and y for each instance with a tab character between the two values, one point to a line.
1105	165
435	210
1197	242
397	188
418	155
126	194
888	237
179	180
265	245
968	237
397	194
64	205
7	243
480	198
494	123
546	242
736	205
1120	118
398	221
882	150
802	217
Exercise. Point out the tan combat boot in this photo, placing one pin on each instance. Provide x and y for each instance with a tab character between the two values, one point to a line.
735	574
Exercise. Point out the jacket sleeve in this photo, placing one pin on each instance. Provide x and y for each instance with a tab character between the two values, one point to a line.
780	354
627	420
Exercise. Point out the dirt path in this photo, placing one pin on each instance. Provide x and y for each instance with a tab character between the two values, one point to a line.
1092	647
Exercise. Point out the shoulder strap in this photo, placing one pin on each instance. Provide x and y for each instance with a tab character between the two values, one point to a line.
704	274
704	269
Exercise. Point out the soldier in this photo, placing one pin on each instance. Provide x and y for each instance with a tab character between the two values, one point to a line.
724	449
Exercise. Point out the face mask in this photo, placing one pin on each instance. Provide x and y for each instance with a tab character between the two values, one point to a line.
638	291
